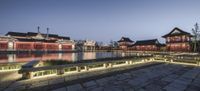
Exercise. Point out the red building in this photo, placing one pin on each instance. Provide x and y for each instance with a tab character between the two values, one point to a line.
125	42
35	41
147	45
178	40
4	43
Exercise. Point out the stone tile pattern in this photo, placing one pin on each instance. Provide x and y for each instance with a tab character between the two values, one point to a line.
164	77
50	82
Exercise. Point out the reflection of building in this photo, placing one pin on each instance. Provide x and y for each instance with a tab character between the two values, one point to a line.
8	58
178	40
89	55
35	41
147	45
125	42
85	45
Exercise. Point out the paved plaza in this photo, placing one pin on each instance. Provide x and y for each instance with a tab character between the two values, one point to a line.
151	76
163	77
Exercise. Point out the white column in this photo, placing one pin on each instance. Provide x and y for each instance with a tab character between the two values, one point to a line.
73	46
60	47
10	45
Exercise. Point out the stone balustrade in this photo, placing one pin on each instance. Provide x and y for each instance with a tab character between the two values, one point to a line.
181	59
10	66
28	73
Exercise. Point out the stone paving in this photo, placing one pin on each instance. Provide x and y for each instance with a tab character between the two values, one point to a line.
7	78
55	81
163	77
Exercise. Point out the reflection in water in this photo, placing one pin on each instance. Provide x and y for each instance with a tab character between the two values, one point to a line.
9	58
89	55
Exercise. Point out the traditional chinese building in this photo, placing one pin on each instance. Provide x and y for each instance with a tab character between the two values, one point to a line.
125	42
147	45
32	41
85	45
178	40
6	43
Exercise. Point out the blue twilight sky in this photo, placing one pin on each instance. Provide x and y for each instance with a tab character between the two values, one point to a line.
100	20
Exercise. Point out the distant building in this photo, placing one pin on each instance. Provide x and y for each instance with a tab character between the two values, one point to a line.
6	43
178	40
125	42
147	45
35	41
85	45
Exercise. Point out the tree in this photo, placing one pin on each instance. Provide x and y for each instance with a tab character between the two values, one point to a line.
113	44
196	37
99	44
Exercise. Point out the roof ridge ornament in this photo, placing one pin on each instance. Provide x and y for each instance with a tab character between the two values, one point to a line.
38	28
47	35
39	35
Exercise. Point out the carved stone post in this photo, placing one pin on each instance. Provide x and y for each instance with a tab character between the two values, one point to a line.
27	75
86	68
60	71
110	65
198	63
131	62
171	60
105	65
78	69
142	60
127	62
165	60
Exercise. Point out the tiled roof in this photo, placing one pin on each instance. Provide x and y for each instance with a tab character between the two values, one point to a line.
35	34
36	40
181	32
63	37
147	42
125	39
16	34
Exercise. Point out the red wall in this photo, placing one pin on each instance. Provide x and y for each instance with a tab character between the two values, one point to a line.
3	45
179	48
18	45
24	45
66	47
39	46
146	48
51	46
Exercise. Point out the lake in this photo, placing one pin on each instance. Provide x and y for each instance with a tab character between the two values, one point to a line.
71	57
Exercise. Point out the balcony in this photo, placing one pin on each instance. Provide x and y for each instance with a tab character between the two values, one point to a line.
177	41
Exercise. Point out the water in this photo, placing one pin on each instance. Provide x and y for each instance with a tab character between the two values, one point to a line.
71	57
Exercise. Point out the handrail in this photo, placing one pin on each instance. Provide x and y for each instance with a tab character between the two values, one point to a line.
110	62
79	64
29	73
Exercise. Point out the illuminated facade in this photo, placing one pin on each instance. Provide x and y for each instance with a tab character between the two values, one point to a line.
15	41
178	40
85	45
124	43
147	45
